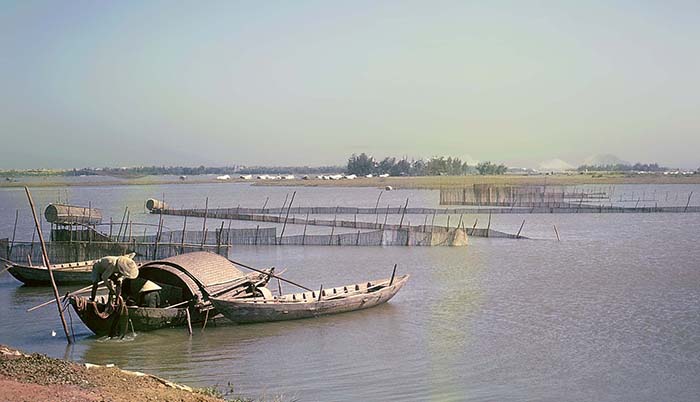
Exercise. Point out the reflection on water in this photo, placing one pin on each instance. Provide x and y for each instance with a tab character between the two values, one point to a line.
612	312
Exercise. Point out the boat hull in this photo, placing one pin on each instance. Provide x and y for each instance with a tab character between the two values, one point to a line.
138	319
33	276
244	311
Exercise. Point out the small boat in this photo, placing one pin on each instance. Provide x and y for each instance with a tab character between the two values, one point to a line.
266	308
71	273
186	282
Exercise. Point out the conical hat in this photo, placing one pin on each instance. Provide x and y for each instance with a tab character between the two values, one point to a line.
149	286
127	267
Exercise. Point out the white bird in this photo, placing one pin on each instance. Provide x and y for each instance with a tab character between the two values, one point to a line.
53	333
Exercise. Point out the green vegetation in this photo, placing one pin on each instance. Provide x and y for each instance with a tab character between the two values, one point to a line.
488	168
363	165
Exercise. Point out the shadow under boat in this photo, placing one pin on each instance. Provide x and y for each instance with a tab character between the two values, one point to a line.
187	282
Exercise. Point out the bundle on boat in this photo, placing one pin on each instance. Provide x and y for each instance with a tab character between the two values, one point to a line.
184	286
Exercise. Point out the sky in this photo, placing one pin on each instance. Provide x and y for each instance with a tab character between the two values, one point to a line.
91	84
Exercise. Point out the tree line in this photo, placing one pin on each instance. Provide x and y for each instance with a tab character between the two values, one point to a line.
622	167
201	170
363	165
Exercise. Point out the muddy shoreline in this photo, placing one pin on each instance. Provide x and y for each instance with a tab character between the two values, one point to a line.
35	377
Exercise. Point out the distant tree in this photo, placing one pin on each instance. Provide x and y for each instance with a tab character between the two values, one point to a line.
385	166
417	168
360	165
401	168
488	168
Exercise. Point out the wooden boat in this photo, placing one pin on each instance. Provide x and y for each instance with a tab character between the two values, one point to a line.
71	273
187	283
293	306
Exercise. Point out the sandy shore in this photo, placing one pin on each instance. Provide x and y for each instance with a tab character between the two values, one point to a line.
437	182
423	182
35	377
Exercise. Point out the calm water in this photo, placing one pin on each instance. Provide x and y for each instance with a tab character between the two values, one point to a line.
612	312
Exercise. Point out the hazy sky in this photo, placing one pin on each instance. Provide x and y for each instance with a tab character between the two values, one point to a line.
307	83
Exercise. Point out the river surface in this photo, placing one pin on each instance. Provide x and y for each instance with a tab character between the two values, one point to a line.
609	313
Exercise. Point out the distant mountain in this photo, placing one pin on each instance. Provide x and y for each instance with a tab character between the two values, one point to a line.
604	160
555	165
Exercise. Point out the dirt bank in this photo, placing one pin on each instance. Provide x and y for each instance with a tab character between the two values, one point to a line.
37	377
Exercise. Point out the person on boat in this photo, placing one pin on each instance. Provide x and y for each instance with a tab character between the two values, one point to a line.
149	295
112	270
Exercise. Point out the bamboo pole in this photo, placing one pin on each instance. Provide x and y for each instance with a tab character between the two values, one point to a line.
14	231
75	292
204	223
688	203
284	204
206	319
120	225
182	240
189	321
88	222
556	232
303	238
271	275
228	235
218	238
517	236
48	266
488	227
403	213
376	220
157	238
284	226
128	219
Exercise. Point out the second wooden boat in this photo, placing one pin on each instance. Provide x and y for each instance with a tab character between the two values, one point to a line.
71	273
293	306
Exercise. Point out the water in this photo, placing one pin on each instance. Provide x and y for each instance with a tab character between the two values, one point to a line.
612	312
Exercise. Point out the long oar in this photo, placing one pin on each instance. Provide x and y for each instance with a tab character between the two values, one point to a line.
86	288
272	275
9	263
6	268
